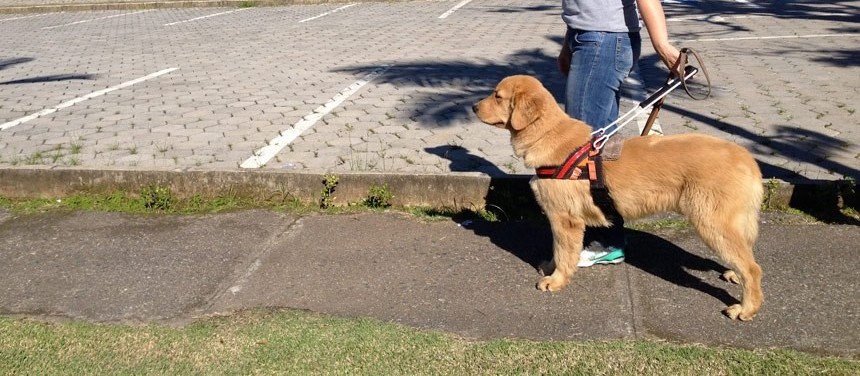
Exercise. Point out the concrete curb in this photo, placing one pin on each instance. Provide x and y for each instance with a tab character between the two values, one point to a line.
475	191
460	190
137	5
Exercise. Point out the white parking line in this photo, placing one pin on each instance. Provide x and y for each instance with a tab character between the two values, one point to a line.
454	9
202	17
30	16
745	2
710	17
329	12
769	37
77	100
94	19
285	137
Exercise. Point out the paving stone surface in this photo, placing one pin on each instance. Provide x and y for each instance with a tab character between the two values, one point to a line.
785	81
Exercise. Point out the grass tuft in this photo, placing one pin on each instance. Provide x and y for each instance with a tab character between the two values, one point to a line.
378	197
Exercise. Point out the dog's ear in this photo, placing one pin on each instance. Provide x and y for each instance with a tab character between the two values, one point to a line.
524	108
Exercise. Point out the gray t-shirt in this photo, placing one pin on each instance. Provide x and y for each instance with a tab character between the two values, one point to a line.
618	16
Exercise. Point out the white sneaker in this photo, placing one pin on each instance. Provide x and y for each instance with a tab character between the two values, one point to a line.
611	255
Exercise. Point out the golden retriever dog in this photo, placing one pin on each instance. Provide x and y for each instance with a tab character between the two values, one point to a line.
716	184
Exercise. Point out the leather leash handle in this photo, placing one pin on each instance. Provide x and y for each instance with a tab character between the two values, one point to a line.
684	52
680	62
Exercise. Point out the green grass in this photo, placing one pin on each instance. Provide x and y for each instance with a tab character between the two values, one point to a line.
159	200
661	224
300	343
150	199
439	214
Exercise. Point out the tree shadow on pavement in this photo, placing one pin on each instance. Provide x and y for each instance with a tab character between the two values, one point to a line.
827	10
6	63
552	9
448	89
719	13
50	78
839	58
793	143
824	10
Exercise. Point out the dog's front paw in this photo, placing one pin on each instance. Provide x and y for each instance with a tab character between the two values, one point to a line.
551	283
736	312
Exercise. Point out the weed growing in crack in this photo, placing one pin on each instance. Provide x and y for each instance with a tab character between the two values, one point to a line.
378	197
327	194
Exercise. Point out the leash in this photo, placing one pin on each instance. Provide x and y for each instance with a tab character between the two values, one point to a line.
586	157
682	61
586	162
656	100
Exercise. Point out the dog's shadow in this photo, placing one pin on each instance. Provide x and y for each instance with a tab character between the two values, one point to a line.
661	258
531	242
526	234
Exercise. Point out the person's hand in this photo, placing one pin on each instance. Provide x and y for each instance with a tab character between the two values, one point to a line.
669	55
564	60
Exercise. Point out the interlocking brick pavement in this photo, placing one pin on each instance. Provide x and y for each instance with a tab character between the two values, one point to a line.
785	78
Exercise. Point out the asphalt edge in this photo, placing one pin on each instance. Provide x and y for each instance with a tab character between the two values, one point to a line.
457	190
141	5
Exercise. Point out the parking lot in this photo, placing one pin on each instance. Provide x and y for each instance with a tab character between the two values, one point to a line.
388	86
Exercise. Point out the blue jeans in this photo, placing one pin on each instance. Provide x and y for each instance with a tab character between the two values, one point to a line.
599	64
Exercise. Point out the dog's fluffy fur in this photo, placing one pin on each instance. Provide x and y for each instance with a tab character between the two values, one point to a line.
717	185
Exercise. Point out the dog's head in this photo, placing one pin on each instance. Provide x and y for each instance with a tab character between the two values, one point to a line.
516	103
541	132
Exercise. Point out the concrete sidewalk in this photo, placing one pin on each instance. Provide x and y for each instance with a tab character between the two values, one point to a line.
475	279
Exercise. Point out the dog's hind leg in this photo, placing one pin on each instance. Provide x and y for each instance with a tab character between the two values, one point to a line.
567	234
732	239
731	276
749	274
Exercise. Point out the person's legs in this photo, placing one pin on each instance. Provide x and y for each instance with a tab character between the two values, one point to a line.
599	63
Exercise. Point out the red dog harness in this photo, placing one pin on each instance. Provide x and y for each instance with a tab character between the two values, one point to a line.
583	163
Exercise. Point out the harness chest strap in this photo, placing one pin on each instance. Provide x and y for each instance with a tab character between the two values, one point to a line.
586	159
572	167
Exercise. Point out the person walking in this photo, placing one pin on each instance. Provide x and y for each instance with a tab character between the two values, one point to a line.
601	46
